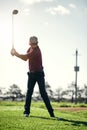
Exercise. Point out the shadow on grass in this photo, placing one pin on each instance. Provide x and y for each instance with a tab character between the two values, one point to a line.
74	122
46	118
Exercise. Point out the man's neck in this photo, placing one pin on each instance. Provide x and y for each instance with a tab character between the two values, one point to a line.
34	46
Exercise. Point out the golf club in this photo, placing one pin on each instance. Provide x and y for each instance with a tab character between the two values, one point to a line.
14	12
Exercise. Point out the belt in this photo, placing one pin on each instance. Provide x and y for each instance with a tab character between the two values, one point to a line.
36	71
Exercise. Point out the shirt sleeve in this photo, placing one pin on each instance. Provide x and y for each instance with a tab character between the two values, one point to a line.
29	52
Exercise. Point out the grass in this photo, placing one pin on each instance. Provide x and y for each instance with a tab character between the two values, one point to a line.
11	117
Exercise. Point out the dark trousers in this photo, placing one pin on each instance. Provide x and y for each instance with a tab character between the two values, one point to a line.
38	77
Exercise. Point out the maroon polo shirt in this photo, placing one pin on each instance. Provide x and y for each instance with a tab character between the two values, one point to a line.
35	59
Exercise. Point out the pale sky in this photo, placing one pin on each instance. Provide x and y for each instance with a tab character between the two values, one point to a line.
61	27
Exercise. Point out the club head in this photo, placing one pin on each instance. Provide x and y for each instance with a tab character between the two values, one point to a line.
14	12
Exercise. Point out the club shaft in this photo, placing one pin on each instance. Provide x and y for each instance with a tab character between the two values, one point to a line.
12	31
13	13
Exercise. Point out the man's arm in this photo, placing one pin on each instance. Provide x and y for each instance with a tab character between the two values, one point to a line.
21	56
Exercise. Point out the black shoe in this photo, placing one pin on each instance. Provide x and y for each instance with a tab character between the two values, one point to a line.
52	115
26	114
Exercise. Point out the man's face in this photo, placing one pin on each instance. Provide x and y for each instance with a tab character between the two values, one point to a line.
32	44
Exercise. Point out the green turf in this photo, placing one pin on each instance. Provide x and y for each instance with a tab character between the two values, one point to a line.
11	118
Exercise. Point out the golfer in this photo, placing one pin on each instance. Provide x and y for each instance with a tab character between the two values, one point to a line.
35	74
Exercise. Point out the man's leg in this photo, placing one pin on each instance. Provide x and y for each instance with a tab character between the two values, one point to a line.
30	87
41	83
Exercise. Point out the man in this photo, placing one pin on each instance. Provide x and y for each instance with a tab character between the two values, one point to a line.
35	74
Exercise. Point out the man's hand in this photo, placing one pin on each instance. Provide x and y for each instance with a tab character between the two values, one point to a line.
13	51
21	56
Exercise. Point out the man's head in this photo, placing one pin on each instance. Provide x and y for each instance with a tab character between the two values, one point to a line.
33	40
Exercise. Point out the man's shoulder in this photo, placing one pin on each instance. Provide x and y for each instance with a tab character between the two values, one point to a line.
28	49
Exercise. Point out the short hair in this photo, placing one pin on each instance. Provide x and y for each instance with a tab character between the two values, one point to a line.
34	39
